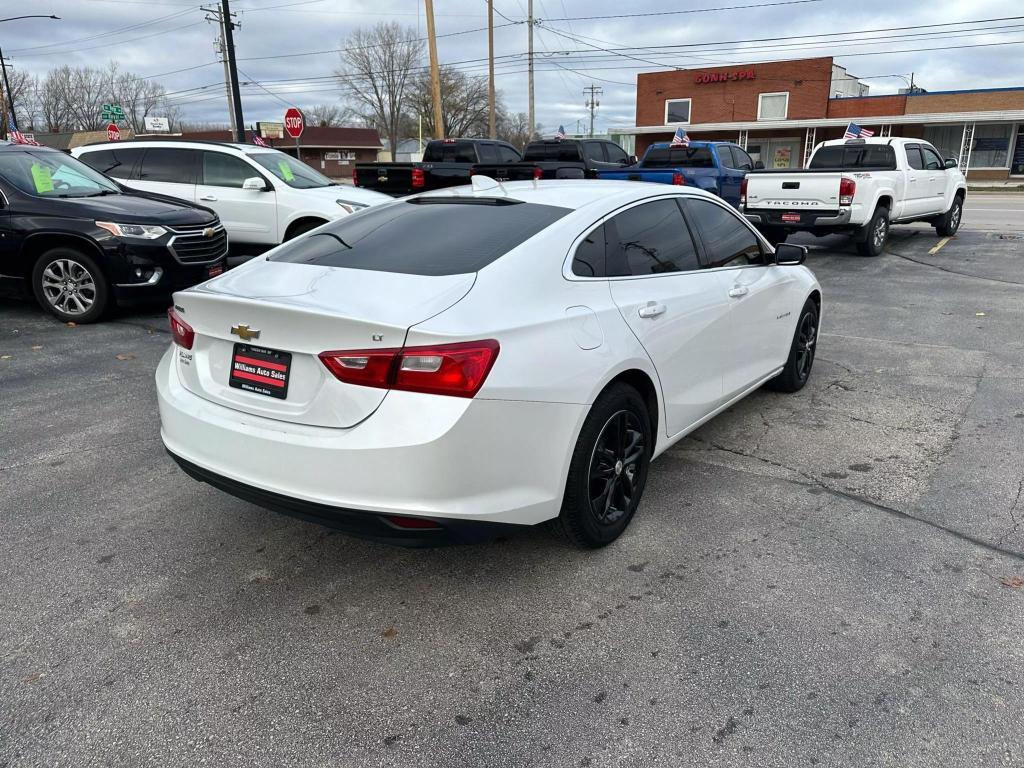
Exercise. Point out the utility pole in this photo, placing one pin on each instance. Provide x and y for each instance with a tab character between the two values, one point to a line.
592	103
8	101
529	67
492	128
226	45
435	73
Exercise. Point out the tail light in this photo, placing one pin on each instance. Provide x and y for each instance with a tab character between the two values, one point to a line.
743	192
418	181
538	174
458	370
847	189
180	330
355	177
678	180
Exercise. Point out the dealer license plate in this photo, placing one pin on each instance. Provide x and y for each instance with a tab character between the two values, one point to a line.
215	270
260	370
793	217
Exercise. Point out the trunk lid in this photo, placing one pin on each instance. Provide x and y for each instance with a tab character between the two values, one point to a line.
301	310
793	191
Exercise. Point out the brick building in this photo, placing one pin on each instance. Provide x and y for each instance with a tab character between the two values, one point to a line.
779	110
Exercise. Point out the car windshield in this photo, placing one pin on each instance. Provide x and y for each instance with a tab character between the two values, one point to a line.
46	173
292	172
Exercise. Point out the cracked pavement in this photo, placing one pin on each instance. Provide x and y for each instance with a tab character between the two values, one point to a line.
831	578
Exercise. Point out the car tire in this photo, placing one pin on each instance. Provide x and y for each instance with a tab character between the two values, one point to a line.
797	370
608	470
876	234
950	221
302	228
70	285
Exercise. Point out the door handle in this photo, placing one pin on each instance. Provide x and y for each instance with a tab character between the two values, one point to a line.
651	309
737	291
208	198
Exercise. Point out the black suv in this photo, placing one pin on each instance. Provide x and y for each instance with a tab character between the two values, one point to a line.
83	241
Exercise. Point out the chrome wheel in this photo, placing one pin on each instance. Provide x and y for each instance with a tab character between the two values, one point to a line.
879	233
616	468
954	217
68	286
806	336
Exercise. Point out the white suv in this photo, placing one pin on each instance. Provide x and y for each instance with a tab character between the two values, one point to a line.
262	196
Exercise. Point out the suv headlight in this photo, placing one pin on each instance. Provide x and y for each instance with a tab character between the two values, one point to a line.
141	231
350	206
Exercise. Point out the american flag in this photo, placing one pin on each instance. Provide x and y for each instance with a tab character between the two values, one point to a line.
258	140
561	132
854	131
17	136
680	139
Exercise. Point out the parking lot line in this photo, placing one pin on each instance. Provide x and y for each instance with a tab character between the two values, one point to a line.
941	243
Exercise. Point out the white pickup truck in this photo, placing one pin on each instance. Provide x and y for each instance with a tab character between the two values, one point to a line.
858	186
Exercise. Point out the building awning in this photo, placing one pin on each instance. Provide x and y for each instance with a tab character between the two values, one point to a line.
1008	116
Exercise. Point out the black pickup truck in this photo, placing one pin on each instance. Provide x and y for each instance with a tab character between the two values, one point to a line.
561	159
446	163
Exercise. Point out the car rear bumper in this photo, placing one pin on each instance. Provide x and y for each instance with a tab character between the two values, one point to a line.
450	459
808	220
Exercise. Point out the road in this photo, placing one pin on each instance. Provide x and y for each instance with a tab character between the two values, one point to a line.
994	212
830	578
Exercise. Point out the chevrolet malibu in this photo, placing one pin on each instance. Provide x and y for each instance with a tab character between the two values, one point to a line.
463	362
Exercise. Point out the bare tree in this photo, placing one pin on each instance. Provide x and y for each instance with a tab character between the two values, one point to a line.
54	110
23	94
376	67
323	115
463	103
514	127
139	97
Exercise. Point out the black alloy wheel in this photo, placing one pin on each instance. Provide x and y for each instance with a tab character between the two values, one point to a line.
798	366
608	469
614	468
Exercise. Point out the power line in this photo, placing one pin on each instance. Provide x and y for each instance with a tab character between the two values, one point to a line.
691	10
117	31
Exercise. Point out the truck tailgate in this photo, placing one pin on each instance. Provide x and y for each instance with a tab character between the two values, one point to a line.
793	191
389	178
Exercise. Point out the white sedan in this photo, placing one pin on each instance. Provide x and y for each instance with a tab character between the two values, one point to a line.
464	361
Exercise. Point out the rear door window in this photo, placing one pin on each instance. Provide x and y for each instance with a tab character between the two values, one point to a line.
426	236
651	239
914	159
728	241
175	166
488	153
116	163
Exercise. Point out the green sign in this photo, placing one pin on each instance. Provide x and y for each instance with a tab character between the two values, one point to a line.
41	178
112	112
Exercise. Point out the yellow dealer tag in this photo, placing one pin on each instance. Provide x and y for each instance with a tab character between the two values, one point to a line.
41	178
286	172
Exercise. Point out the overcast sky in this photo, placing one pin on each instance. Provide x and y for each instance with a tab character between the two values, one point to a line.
152	37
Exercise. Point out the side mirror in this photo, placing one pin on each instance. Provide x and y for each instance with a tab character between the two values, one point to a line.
758	165
631	160
790	254
950	163
255	184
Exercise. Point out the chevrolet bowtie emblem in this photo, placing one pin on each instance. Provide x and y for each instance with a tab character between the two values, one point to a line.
209	232
244	332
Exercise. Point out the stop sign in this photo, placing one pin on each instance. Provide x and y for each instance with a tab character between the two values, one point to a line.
293	122
113	132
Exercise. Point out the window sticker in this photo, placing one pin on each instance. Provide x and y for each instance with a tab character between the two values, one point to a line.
286	172
41	178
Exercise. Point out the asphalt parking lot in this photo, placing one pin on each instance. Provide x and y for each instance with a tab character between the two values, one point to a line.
829	578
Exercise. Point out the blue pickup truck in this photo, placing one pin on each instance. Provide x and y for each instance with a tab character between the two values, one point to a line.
715	166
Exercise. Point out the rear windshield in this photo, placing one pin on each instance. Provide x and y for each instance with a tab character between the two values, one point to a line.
680	157
565	152
445	236
839	157
450	152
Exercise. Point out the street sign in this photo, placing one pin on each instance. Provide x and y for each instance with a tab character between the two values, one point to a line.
113	132
112	112
158	124
293	122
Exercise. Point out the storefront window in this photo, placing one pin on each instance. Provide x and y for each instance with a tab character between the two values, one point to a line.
991	147
677	111
772	106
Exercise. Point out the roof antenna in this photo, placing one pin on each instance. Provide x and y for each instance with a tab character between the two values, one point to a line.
483	183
